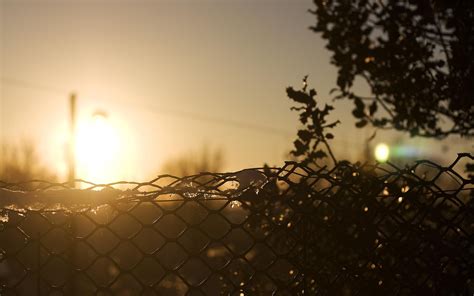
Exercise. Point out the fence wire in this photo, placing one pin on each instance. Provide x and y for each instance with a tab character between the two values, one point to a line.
350	230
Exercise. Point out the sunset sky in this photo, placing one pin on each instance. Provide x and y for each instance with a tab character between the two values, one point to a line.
172	76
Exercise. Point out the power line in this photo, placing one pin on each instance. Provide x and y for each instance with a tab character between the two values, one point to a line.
166	111
30	85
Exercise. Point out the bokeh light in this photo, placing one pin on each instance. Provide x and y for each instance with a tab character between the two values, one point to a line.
382	152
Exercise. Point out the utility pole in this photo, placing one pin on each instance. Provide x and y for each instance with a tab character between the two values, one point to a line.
72	141
71	177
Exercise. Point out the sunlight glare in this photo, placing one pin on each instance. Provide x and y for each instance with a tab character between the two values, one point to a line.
97	147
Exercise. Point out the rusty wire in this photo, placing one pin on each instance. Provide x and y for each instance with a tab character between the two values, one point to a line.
349	230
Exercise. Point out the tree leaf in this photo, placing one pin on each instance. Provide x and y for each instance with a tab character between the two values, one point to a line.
361	123
359	104
304	135
300	148
298	96
319	154
373	108
358	113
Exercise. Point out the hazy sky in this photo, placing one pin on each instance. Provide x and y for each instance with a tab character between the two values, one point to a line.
173	76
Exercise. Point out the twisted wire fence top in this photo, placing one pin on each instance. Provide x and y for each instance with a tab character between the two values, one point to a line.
351	229
219	185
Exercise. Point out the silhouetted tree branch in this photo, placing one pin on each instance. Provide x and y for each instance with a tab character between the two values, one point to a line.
416	57
314	133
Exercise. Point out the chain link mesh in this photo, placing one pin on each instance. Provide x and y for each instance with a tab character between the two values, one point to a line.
350	230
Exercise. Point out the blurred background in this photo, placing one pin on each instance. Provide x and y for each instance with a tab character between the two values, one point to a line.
168	87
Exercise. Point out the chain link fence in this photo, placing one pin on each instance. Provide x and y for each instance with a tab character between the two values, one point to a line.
294	230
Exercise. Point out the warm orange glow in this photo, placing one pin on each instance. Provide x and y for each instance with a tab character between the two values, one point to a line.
98	149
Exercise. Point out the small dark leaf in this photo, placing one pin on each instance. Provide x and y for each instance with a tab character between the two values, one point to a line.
298	96
373	108
319	154
359	104
332	125
300	148
304	135
358	113
361	123
470	167
380	122
329	136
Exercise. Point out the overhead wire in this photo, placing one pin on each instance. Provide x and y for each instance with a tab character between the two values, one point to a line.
166	111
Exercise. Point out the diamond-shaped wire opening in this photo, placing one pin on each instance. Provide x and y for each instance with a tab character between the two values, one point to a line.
149	271
56	271
215	226
124	207
448	209
217	256
280	213
171	256
147	213
149	240
260	256
192	212
238	241
17	270
426	171
282	241
103	271
83	226
239	272
29	285
13	240
235	212
448	181
282	272
171	226
125	226
126	255
103	240
34	224
28	256
170	202
194	241
84	255
324	212
57	241
194	272
259	226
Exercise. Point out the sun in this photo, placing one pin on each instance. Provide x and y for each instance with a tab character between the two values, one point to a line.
97	149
